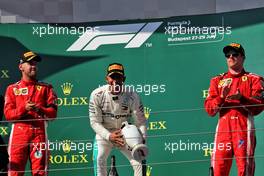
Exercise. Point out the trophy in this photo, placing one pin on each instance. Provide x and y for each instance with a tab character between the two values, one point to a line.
134	141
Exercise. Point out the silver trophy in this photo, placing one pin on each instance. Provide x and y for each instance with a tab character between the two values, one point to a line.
134	141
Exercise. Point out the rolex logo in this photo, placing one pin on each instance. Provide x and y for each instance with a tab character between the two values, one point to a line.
147	112
68	100
66	88
148	173
66	146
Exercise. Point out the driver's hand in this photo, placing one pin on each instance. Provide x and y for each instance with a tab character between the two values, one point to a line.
236	96
117	138
30	106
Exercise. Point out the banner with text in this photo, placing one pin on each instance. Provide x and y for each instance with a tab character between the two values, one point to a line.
168	62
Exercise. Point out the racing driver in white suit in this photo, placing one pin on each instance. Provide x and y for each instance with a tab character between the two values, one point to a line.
109	106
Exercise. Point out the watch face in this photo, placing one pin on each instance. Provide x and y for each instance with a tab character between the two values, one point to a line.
38	154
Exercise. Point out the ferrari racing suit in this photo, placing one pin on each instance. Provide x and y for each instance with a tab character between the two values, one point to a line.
28	134
107	112
235	132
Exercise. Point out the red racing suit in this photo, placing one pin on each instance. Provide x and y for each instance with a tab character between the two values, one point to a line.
28	137
235	132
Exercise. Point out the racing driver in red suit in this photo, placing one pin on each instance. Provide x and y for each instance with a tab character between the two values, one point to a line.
29	104
238	96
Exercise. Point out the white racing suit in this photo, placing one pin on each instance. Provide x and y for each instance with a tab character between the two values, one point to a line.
107	112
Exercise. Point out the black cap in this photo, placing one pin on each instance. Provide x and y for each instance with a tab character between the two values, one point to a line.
29	56
115	68
234	46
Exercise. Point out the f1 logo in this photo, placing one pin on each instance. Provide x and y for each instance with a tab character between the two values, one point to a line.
132	34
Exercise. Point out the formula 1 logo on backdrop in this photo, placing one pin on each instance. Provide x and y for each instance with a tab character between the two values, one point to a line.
134	35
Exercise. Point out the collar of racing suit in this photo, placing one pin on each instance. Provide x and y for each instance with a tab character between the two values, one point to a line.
114	97
28	83
236	75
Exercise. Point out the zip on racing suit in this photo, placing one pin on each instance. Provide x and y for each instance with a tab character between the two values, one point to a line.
28	132
235	132
107	112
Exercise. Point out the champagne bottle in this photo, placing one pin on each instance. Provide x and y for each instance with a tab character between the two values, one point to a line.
113	171
211	171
